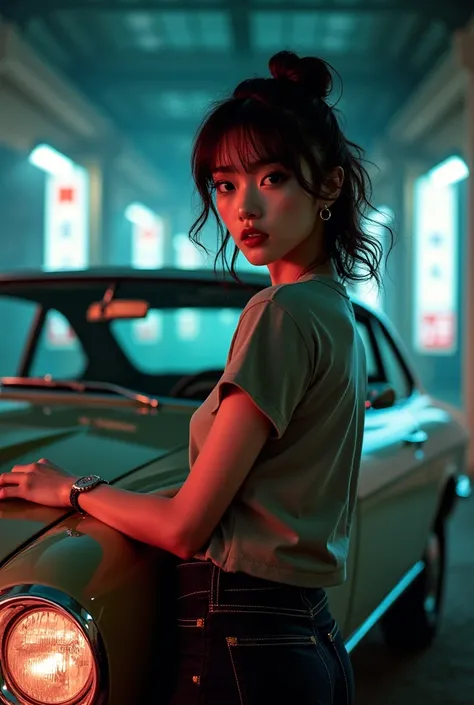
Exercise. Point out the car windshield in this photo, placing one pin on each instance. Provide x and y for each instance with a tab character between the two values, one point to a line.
187	330
177	340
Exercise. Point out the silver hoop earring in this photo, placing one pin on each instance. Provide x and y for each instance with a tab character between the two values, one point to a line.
325	214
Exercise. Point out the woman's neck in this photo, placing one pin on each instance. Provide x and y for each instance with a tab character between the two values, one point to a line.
291	272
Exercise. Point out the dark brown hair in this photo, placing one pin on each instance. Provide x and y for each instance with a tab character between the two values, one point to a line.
287	119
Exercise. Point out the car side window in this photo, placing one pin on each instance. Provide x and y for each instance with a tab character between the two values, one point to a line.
396	374
17	316
367	339
59	352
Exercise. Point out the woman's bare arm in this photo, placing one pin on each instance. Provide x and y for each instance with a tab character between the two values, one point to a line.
182	524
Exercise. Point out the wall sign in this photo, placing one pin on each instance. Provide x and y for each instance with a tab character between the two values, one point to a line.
435	267
66	241
66	238
148	252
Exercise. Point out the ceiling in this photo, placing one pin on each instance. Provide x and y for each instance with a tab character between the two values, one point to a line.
154	65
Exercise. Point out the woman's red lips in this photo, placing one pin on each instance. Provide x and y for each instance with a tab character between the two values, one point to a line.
248	232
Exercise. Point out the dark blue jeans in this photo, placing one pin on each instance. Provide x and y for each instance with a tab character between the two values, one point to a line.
247	641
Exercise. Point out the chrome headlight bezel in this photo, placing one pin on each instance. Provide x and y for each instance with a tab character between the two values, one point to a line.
20	599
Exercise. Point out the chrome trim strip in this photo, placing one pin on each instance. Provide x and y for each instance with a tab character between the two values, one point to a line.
386	603
463	486
43	595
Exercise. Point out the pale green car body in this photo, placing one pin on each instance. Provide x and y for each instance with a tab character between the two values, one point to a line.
119	591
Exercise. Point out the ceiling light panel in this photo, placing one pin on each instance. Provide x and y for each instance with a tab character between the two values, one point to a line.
213	30
269	30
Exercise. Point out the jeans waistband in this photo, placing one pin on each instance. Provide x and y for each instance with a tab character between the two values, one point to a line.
202	581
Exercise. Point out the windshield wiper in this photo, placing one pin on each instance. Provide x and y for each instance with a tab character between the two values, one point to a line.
79	386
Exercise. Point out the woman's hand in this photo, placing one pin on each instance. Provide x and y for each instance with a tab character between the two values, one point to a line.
41	482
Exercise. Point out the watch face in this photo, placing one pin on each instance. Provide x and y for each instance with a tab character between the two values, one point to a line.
87	481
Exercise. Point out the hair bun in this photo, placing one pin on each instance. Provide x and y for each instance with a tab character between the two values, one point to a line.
310	71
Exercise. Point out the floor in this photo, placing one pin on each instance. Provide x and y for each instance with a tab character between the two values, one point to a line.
444	674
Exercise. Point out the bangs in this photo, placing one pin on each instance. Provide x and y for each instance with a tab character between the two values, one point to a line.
252	132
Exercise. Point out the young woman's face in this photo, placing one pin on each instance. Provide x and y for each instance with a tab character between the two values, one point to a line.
266	198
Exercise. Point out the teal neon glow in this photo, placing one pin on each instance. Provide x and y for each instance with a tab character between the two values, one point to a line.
464	486
407	579
449	172
140	215
51	161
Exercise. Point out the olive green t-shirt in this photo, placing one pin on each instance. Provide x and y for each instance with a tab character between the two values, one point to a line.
297	353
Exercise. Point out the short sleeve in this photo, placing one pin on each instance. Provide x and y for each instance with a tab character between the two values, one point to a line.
270	360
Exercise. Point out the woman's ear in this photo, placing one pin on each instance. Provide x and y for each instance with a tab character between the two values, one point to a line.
334	183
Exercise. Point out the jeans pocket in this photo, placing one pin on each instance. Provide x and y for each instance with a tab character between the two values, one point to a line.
280	668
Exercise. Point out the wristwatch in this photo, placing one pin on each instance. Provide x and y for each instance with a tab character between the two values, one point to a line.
84	484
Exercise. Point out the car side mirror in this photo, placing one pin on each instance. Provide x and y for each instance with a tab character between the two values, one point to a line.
381	399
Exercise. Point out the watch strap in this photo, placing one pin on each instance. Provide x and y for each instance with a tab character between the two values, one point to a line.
77	491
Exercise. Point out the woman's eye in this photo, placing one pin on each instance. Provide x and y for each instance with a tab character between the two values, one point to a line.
223	186
276	177
273	179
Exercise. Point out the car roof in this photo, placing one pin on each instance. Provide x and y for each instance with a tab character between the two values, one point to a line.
124	273
117	273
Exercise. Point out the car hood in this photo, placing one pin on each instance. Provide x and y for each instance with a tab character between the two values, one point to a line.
113	442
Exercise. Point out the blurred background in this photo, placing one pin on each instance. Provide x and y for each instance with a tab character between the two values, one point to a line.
99	104
100	100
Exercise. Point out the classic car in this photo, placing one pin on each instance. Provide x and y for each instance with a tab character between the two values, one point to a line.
101	371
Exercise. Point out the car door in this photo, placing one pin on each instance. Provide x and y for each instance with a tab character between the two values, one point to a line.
395	493
436	440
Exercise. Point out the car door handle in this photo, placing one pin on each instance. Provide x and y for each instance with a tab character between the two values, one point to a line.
416	438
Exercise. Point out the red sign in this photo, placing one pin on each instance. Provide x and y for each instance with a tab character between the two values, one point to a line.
148	245
438	331
66	195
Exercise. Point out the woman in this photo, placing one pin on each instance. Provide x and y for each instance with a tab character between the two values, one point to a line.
261	526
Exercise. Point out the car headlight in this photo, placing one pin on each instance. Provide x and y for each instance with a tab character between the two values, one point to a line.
48	658
48	651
